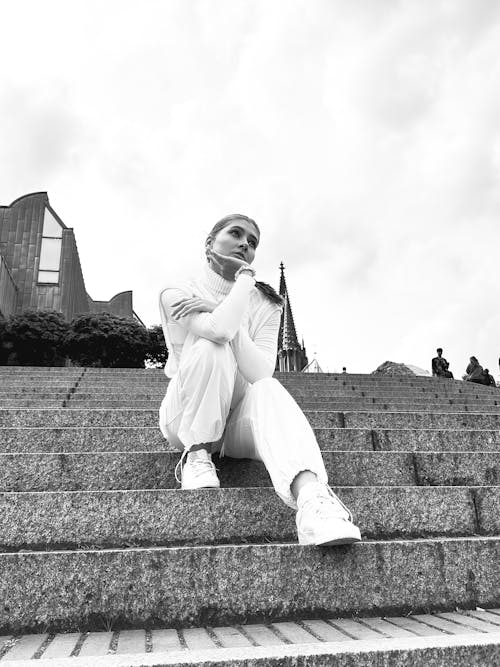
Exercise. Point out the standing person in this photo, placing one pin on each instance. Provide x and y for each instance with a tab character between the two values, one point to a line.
221	329
474	372
440	365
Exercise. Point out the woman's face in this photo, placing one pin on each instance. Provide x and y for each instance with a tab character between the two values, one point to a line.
238	239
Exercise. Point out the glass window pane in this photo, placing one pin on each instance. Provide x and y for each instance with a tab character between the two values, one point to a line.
50	256
48	276
50	225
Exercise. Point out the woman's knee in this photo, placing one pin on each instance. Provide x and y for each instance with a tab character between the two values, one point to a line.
205	353
267	386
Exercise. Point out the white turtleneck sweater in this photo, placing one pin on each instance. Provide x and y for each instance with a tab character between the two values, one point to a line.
244	317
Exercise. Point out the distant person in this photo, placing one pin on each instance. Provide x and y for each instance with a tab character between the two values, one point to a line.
474	372
489	380
344	369
440	366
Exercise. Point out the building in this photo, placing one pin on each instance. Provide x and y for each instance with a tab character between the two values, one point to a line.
291	354
40	267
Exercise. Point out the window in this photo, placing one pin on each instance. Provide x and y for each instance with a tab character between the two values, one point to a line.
50	254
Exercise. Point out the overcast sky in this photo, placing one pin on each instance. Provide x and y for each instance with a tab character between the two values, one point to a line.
364	138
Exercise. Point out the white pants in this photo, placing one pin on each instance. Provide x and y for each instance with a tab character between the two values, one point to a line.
208	401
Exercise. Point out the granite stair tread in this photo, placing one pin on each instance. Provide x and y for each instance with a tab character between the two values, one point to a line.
468	630
52	471
96	519
148	438
96	531
154	586
317	418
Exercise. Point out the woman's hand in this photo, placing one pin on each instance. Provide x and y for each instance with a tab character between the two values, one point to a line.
192	304
225	265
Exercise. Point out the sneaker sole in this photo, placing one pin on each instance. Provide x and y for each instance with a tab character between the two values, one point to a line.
326	540
202	486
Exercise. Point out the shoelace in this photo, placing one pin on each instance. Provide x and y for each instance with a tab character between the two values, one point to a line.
198	463
325	501
179	466
335	497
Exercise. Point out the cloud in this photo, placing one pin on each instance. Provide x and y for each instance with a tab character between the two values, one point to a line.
39	135
363	137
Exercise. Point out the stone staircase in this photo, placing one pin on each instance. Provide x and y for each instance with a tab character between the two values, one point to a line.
98	544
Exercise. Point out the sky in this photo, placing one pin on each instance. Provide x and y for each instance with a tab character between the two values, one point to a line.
363	137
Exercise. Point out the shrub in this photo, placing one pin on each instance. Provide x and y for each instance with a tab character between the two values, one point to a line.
108	341
36	338
157	353
5	343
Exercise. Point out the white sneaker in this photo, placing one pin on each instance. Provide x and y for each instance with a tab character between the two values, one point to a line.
198	472
323	519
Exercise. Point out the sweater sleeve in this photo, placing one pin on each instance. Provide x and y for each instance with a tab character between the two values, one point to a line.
221	325
256	358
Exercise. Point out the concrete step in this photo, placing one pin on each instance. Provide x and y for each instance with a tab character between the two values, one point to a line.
170	586
310	397
289	379
114	519
316	405
155	470
144	392
147	375
159	385
447	638
149	438
35	403
157	393
35	417
28	391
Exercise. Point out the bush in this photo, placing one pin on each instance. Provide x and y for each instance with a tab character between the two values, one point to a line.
107	341
5	344
157	353
36	338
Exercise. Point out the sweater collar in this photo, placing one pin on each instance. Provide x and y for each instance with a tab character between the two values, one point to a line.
215	283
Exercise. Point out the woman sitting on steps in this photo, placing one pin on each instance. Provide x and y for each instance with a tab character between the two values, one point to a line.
221	330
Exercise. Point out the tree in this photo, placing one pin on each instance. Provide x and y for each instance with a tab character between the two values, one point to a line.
108	341
5	344
37	337
157	353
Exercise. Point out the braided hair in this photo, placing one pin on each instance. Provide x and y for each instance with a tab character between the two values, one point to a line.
268	291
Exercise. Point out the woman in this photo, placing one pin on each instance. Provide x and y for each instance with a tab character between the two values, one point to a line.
221	330
474	371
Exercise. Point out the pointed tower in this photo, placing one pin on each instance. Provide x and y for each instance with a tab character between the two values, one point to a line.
291	354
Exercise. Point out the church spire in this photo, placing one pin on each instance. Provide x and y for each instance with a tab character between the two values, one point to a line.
291	355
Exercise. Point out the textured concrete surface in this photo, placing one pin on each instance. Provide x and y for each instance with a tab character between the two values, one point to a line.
152	470
452	469
436	440
482	652
381	420
149	438
487	501
335	406
36	417
247	583
189	646
82	438
224	516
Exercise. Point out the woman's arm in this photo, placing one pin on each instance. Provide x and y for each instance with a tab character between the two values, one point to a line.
256	358
221	325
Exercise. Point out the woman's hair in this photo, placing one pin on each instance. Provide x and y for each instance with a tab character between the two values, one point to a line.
268	291
224	222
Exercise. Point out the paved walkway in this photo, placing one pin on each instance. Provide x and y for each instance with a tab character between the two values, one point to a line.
452	626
